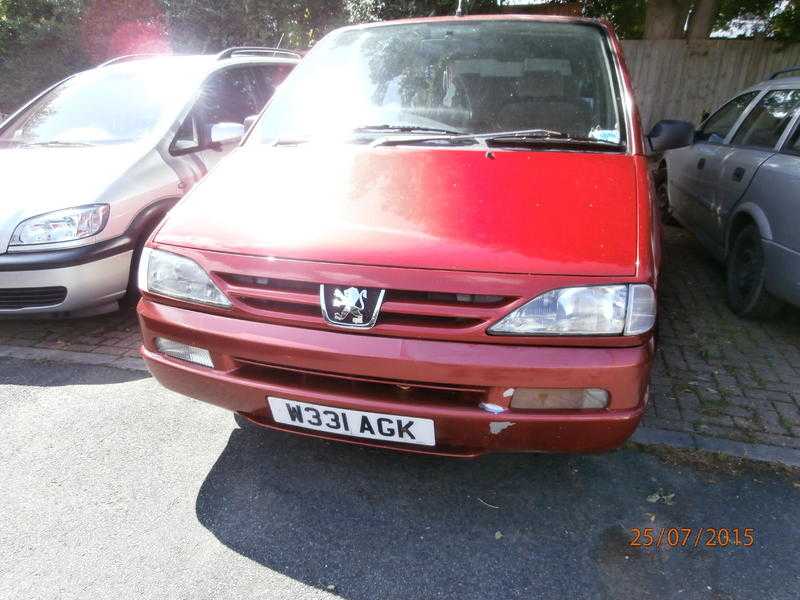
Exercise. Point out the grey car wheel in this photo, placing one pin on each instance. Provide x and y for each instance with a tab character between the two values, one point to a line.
747	292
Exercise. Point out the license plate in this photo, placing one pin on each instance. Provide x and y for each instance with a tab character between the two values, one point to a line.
353	423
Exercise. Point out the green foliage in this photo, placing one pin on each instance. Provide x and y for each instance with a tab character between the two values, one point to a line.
212	25
38	45
769	20
25	21
43	40
360	11
786	25
627	16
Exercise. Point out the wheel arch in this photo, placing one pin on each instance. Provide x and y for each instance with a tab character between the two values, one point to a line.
148	219
746	214
143	224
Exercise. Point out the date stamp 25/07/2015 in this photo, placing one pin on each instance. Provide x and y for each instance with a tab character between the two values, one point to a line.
692	537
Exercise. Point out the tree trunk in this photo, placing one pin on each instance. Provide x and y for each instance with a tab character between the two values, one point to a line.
701	23
666	19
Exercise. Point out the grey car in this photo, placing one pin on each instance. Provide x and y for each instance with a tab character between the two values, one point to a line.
736	188
90	166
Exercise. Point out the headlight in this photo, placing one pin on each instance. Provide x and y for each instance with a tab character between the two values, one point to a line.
595	310
177	277
61	226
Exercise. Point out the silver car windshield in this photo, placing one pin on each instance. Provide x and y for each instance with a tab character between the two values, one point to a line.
470	77
109	105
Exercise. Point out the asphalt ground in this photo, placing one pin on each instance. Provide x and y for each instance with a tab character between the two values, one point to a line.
112	487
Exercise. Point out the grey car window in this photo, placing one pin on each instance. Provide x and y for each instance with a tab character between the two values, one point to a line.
227	96
717	127
269	77
794	143
766	123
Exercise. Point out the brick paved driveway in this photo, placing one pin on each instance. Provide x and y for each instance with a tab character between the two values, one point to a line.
116	334
716	375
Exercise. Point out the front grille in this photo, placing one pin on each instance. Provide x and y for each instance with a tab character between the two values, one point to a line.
16	298
402	313
384	390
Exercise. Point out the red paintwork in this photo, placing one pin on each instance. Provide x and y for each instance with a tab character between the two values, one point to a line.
565	213
440	220
459	430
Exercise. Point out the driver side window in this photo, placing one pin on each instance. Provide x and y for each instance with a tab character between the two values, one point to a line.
228	96
716	128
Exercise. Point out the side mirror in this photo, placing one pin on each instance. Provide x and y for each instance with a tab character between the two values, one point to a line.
250	121
668	135
226	133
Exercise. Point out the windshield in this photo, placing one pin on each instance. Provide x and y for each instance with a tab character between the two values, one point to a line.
470	77
109	105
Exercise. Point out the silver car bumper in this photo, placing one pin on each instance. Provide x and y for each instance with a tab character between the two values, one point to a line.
95	284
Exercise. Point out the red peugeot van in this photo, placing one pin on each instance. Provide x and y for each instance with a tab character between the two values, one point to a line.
439	237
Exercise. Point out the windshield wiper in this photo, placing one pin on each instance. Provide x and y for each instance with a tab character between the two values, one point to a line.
545	137
58	144
444	134
404	129
525	138
524	133
444	140
290	141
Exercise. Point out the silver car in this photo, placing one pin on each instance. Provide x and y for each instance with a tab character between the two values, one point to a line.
736	189
89	168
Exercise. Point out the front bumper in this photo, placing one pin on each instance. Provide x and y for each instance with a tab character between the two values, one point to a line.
94	281
462	429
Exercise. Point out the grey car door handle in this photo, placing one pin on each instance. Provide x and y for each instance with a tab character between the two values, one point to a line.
738	173
701	164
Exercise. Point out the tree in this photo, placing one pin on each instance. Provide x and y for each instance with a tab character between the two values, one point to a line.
627	16
763	17
206	25
703	17
360	11
112	28
666	19
786	25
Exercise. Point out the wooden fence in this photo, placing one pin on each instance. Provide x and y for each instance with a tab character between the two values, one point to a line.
676	79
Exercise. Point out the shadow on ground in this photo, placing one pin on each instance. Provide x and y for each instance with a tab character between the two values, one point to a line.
379	525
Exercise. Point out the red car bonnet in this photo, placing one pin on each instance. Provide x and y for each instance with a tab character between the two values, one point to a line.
537	212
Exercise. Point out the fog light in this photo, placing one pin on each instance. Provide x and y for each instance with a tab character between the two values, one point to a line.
198	356
527	398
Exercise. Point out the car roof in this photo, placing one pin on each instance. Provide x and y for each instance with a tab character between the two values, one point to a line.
500	17
779	81
201	63
474	18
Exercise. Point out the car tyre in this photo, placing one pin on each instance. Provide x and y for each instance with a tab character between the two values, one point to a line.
132	295
746	268
661	183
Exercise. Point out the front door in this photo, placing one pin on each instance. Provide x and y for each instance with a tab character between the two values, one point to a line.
227	96
694	171
756	141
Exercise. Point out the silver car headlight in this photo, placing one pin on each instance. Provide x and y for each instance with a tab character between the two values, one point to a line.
178	277
62	225
591	310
